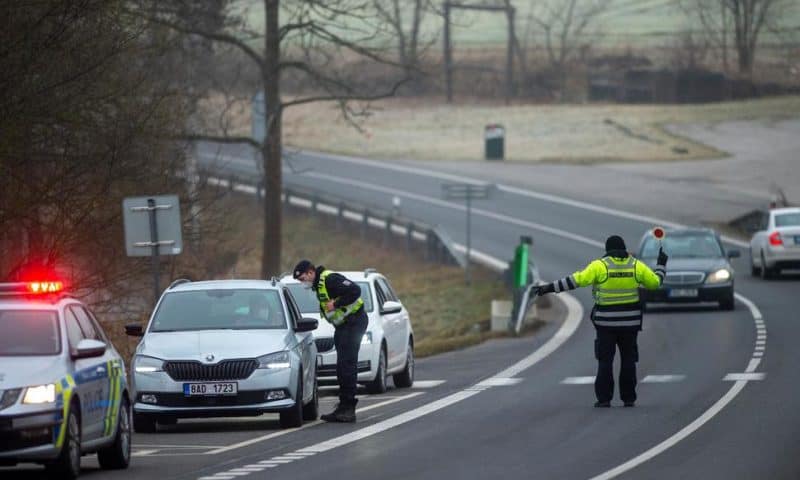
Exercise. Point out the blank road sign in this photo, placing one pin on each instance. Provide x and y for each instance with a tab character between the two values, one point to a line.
136	216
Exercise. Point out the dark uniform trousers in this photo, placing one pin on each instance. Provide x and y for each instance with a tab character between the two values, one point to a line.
347	339
605	346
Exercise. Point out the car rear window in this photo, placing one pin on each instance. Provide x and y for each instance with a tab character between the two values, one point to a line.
307	299
787	220
29	332
234	309
683	245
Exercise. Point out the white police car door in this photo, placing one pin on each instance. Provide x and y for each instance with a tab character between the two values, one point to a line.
90	375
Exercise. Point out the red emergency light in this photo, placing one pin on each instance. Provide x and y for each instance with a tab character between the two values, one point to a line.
45	287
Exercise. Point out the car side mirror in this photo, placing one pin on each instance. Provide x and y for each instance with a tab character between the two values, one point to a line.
89	348
734	254
307	325
134	330
390	306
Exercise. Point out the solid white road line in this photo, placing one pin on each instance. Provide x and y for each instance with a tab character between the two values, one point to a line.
499	382
143	453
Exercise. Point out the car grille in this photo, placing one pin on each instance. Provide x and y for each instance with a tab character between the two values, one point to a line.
324	344
224	370
684	278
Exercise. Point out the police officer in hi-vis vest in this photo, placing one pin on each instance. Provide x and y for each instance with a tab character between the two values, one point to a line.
617	314
340	304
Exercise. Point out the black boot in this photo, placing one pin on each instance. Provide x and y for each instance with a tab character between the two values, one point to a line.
342	414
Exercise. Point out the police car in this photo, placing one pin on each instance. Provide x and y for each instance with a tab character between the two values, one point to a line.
63	388
387	347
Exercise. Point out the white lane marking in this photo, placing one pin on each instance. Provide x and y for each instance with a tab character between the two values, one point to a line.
217	477
284	458
712	411
515	190
578	380
427	383
663	378
758	354
143	445
744	377
267	464
499	382
143	453
307	425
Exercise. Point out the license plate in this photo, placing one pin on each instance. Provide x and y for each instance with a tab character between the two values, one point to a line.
683	292
215	388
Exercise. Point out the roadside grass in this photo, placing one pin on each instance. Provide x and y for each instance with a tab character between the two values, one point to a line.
422	129
430	130
446	314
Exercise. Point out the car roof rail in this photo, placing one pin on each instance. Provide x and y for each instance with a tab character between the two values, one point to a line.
367	271
177	282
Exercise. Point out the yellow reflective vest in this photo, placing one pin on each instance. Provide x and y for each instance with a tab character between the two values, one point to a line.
339	315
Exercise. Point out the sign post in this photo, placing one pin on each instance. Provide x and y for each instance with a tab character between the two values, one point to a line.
466	192
152	223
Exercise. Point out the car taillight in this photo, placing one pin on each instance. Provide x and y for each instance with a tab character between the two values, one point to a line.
775	239
45	287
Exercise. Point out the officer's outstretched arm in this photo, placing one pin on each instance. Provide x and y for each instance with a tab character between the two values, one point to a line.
581	278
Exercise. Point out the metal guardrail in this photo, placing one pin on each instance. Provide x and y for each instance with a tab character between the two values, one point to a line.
438	244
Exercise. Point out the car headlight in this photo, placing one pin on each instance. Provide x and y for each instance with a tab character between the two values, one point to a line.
721	275
145	364
40	394
275	361
366	339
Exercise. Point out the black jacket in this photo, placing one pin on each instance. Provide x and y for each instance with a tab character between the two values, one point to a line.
343	291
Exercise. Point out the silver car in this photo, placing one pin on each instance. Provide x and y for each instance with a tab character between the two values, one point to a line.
776	245
63	387
224	348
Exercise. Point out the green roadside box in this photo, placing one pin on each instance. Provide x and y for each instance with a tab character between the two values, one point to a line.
494	141
521	257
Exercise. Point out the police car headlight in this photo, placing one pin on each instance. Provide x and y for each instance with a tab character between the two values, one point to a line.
366	339
40	394
721	275
275	361
145	364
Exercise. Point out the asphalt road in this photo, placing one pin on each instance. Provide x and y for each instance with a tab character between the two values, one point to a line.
716	393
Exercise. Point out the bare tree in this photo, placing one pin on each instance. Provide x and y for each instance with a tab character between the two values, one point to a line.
739	23
318	41
404	18
563	24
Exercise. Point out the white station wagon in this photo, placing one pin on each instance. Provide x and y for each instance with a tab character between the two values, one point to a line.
776	245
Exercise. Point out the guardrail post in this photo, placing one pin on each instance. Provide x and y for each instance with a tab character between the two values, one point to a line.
387	234
409	235
365	223
230	183
314	202
339	215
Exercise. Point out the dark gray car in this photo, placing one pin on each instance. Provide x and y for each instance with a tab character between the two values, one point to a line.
698	270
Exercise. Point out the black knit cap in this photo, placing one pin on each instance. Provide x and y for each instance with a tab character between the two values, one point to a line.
615	243
302	267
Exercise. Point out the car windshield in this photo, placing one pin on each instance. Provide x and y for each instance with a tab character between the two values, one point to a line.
787	220
29	332
308	303
683	245
234	309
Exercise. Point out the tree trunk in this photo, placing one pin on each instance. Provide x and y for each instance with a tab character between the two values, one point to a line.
271	150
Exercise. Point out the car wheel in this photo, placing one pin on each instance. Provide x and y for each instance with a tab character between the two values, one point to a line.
293	417
311	411
68	463
405	379
118	455
143	423
766	272
379	384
